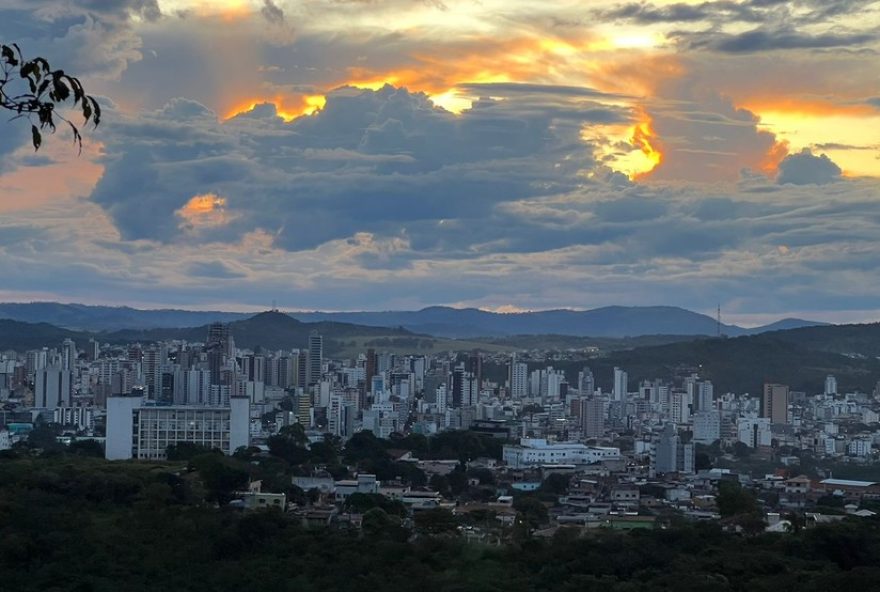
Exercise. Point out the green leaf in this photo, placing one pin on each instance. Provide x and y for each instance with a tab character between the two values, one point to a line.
36	137
87	109
60	90
97	111
8	55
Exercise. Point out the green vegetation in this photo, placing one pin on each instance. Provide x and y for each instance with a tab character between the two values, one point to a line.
738	365
76	524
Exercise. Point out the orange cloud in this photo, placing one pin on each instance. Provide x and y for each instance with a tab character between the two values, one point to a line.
551	60
645	139
206	210
287	107
806	107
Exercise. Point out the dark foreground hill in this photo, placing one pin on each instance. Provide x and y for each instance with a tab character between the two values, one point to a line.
70	524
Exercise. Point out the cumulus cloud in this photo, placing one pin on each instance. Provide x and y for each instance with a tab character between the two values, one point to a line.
386	162
805	168
94	38
383	200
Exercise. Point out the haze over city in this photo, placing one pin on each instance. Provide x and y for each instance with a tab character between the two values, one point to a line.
333	155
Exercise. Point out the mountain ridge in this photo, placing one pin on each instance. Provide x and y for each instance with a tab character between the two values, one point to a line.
438	321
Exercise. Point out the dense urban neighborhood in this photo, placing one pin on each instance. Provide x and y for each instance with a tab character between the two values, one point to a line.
489	444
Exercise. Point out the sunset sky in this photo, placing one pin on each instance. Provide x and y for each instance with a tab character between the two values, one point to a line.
509	155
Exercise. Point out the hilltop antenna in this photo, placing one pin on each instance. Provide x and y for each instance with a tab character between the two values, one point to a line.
274	306
718	321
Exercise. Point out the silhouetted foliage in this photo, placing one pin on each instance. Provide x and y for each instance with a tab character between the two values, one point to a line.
33	90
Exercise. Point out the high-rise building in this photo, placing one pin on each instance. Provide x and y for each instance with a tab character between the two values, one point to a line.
219	347
36	360
286	371
775	403
316	358
670	455
53	387
704	399
457	387
621	384
754	431
192	387
94	351
474	365
679	410
707	426
592	416
371	366
519	379
152	369
68	355
586	383
220	338
830	386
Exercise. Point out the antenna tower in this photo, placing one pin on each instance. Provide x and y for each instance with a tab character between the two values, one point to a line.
718	321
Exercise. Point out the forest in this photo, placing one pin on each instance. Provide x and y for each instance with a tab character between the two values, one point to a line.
75	523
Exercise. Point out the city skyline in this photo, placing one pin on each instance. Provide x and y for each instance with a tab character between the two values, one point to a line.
506	156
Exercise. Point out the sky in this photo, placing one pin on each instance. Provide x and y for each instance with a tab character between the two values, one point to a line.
503	154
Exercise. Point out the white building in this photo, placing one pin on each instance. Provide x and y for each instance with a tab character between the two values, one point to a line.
519	380
53	387
670	454
680	411
830	385
621	384
707	426
136	430
860	447
537	451
82	418
754	431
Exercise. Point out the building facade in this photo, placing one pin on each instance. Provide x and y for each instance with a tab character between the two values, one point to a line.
144	432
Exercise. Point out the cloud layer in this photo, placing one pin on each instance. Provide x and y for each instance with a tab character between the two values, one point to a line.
682	153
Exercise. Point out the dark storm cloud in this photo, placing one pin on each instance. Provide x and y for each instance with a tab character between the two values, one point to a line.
383	161
272	12
769	40
806	169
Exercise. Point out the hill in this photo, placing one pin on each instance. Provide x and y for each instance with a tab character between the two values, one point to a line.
269	330
438	321
110	318
611	321
19	336
851	340
738	365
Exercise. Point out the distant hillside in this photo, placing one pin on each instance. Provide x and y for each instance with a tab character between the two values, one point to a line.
438	321
739	365
862	340
110	318
611	321
269	330
18	336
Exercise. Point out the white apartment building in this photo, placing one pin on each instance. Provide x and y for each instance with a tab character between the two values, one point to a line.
707	426
537	451
754	431
139	431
